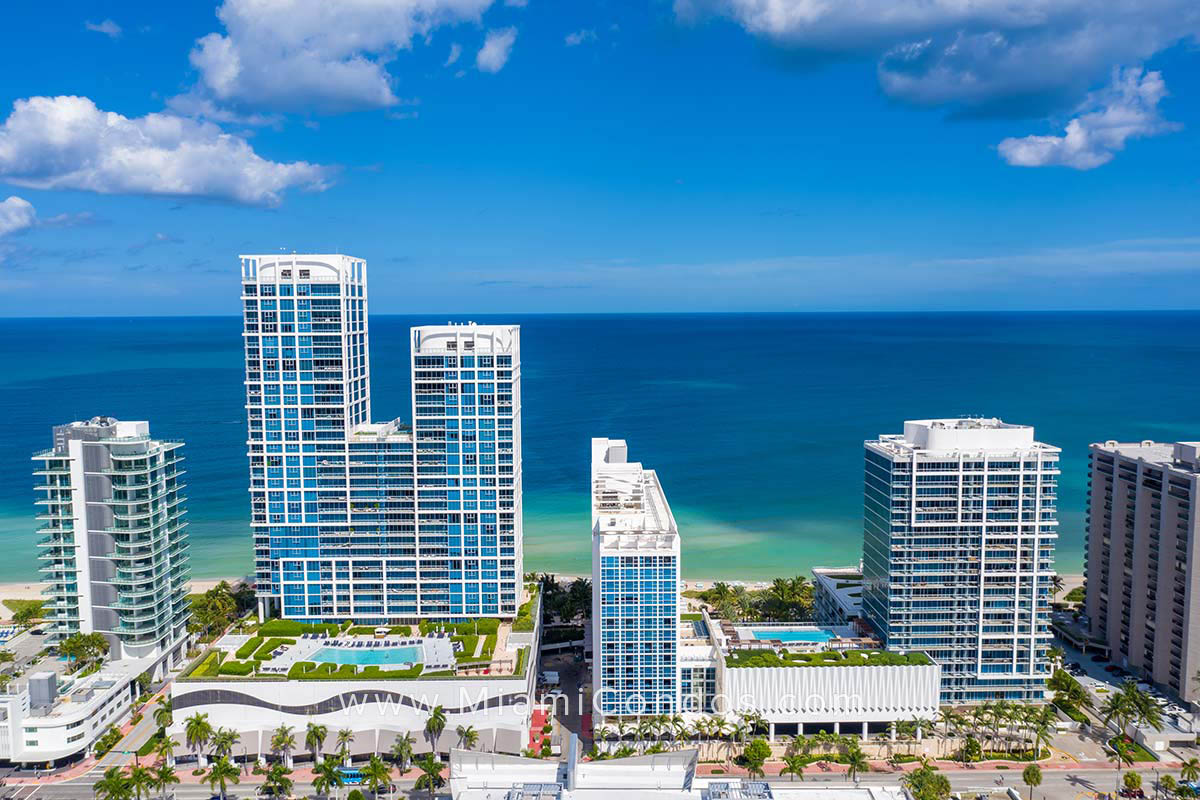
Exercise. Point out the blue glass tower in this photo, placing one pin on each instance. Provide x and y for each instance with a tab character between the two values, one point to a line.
635	589
467	416
337	529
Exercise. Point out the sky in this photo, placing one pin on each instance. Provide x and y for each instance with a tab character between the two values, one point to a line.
604	155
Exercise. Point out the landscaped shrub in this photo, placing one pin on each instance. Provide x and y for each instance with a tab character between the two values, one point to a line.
232	667
489	626
269	647
247	650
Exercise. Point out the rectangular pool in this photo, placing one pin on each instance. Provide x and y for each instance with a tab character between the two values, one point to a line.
368	655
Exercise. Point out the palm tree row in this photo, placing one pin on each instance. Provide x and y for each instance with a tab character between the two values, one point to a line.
204	741
999	726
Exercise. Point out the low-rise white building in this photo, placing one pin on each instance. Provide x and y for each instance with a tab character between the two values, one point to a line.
664	776
53	720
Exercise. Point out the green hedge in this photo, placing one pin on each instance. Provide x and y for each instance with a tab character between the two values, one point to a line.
824	658
290	627
210	666
232	667
309	671
469	644
247	650
264	652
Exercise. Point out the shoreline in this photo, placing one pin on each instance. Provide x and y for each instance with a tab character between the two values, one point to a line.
33	590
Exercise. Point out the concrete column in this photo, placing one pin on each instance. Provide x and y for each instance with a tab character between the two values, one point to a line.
891	731
262	611
864	736
771	731
837	729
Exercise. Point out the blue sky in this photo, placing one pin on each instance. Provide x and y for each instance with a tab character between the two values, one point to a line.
604	156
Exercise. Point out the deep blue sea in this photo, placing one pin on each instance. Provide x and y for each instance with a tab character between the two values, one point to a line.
755	422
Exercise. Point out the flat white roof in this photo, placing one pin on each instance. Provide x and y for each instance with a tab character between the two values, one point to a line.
961	435
626	497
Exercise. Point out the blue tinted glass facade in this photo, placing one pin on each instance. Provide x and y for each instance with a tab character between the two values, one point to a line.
334	498
637	656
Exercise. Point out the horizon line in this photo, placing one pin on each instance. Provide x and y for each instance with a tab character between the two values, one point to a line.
881	312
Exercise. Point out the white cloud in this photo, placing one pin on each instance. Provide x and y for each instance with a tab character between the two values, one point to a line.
331	55
194	104
16	214
107	27
974	52
579	37
1127	109
516	3
455	52
69	143
496	48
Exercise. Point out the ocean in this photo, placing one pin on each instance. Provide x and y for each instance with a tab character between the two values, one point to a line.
754	422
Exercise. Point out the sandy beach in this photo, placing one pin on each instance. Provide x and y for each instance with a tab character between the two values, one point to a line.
33	591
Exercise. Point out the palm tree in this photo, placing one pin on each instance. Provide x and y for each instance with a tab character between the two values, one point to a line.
164	714
314	738
468	737
857	762
1124	753
197	731
222	773
794	766
1056	585
142	781
1168	785
1032	775
164	777
282	742
344	738
113	786
376	774
223	741
434	726
277	783
1190	769
402	752
165	749
431	774
326	776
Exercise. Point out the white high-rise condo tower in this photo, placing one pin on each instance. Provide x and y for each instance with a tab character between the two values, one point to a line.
635	588
114	546
351	520
958	552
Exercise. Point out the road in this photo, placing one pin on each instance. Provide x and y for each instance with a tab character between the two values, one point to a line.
1056	785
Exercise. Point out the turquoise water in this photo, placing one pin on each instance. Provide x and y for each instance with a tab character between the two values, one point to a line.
817	637
754	422
368	655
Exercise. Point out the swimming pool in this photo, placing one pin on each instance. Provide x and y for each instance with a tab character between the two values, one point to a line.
368	655
813	635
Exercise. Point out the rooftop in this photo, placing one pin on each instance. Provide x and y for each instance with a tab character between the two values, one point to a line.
626	498
961	435
1171	455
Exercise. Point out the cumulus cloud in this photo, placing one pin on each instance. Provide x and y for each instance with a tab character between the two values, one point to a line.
107	27
16	214
579	37
1045	53
283	56
455	52
69	143
496	48
1127	109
